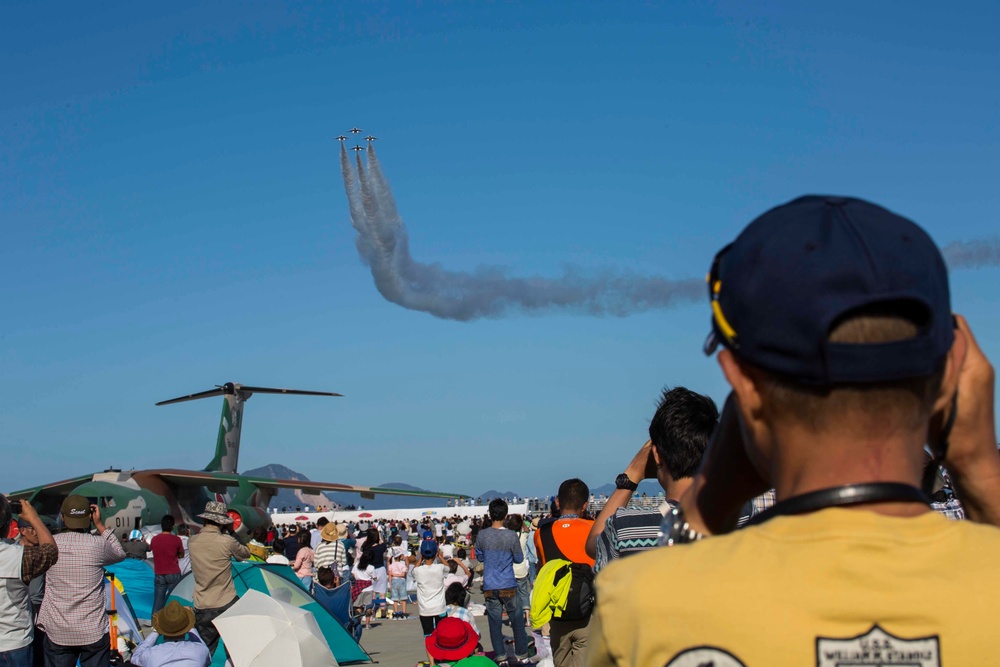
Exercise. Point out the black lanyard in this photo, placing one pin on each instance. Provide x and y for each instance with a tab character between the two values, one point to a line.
841	496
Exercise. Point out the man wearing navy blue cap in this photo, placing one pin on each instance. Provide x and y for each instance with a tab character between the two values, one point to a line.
834	319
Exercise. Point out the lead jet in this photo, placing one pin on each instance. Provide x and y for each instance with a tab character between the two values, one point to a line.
137	498
370	138
341	138
356	130
358	148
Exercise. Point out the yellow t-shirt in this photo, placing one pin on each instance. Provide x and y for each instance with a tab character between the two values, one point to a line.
836	588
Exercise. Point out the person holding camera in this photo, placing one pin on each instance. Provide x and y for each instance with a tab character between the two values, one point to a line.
19	564
73	613
845	362
212	551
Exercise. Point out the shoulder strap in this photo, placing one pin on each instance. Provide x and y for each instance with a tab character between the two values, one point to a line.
550	549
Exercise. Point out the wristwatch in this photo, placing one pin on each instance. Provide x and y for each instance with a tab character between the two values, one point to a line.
622	481
674	529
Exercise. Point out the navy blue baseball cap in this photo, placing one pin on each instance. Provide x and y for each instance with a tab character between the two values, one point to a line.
780	288
428	549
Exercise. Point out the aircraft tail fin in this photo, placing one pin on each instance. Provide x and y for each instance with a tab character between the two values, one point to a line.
227	443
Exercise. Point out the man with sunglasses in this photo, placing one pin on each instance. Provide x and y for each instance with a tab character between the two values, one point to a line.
838	341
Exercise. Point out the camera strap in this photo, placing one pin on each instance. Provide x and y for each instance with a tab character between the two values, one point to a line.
841	496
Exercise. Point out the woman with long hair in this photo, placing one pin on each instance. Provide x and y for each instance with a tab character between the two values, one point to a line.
376	549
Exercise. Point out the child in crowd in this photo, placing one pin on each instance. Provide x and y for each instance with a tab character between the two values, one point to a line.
429	576
454	576
364	577
278	556
398	569
326	578
457	598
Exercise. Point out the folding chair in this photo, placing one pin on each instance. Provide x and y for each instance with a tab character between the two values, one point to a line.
363	606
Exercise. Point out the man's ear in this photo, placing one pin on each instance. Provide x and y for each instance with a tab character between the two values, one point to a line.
743	383
952	369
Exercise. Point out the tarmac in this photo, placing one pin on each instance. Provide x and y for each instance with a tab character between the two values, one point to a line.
400	643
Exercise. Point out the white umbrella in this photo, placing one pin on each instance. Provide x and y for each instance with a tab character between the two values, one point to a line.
260	631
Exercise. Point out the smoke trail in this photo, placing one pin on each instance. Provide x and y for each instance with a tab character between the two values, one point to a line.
384	246
972	254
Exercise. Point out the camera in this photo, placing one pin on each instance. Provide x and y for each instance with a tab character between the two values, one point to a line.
15	506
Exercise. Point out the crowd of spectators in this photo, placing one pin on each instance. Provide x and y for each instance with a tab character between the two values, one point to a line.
841	508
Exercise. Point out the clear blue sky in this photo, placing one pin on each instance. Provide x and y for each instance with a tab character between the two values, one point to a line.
172	215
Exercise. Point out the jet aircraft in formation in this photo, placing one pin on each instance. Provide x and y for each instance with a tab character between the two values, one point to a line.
356	130
370	138
341	138
357	148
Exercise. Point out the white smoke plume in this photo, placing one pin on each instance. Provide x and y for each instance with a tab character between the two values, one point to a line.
384	246
972	254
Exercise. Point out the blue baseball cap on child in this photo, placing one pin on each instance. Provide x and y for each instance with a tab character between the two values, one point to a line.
780	288
428	549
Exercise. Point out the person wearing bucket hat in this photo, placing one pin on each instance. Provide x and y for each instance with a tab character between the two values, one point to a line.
212	551
72	615
173	641
453	639
833	325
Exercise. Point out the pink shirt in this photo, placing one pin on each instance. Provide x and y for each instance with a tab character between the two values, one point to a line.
303	564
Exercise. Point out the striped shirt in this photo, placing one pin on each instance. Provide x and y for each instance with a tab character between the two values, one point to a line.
628	531
332	555
73	610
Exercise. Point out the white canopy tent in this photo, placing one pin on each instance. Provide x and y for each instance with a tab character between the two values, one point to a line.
418	514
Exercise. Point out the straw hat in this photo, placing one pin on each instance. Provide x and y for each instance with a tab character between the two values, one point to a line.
342	530
173	620
329	533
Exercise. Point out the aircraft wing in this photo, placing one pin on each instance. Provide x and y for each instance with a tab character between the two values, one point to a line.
47	499
56	489
203	478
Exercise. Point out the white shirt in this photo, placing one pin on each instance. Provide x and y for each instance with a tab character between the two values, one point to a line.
15	607
188	653
430	588
279	559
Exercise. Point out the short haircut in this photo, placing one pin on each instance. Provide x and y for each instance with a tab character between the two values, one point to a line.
322	521
324	576
183	529
573	495
883	405
278	545
681	428
455	594
453	566
167	523
514	522
498	509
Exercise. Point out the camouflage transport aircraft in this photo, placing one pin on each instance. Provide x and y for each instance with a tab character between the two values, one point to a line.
141	497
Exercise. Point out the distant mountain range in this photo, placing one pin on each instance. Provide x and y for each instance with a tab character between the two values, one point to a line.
292	498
